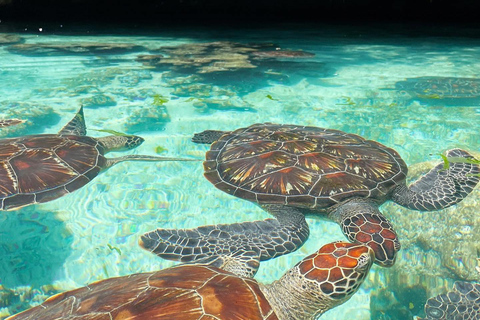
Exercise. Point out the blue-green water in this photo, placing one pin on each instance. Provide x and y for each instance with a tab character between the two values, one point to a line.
165	85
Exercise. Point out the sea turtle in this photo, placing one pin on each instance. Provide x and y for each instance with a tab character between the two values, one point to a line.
44	167
316	284
441	87
10	122
291	171
462	303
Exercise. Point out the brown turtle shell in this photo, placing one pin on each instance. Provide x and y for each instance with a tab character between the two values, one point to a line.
183	292
305	167
40	168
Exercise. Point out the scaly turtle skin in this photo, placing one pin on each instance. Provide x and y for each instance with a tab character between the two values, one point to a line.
292	171
441	87
462	303
316	284
44	167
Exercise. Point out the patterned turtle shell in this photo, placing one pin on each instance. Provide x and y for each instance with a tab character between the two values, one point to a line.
35	169
182	292
305	167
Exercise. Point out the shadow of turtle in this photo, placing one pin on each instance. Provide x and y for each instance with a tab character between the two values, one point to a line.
34	246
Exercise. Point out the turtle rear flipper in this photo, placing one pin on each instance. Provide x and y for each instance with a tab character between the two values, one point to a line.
440	188
270	237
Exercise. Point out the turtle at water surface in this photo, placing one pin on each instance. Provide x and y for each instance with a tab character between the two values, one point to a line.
44	167
292	171
441	87
461	303
222	291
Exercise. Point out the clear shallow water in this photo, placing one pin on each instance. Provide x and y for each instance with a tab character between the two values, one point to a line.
209	79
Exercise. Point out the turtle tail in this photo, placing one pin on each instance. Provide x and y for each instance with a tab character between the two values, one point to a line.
441	187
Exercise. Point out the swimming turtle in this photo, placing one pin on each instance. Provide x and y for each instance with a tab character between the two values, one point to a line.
10	122
441	87
316	284
292	171
44	167
462	303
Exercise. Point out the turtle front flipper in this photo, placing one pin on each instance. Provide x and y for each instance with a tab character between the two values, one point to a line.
361	221
270	237
208	136
440	188
76	126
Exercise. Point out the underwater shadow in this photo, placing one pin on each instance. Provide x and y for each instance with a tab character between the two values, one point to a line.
34	245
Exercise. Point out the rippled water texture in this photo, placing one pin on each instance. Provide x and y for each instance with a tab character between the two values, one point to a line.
419	95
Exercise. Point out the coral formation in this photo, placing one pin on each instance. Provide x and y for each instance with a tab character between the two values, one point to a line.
72	48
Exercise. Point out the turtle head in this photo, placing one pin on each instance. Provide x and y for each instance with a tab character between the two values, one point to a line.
338	268
120	142
132	142
332	274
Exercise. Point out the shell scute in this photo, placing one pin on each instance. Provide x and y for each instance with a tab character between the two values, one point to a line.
8	185
18	200
38	169
284	162
81	157
49	195
44	142
9	150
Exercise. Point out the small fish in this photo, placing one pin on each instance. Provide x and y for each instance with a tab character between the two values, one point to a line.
160	149
348	102
271	98
159	100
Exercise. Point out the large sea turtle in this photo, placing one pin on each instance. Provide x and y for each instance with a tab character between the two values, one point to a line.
441	87
461	303
44	167
316	284
291	171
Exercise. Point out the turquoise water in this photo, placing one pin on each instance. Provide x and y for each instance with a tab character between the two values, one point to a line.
166	85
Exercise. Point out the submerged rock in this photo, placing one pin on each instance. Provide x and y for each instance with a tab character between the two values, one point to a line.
241	67
146	118
98	101
283	54
72	48
7	38
38	117
203	57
